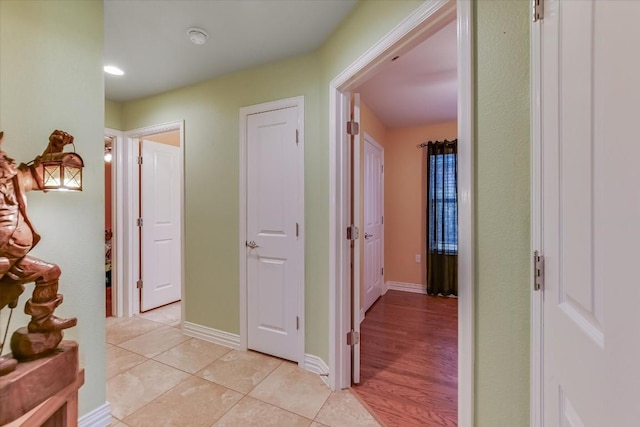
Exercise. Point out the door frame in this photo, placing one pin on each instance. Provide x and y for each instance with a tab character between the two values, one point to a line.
117	258
129	199
245	112
416	27
536	415
357	177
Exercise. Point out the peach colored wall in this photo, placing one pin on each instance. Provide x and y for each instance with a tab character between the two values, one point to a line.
169	138
372	126
404	208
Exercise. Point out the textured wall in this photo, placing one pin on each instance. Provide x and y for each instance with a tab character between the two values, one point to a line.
113	115
51	78
502	213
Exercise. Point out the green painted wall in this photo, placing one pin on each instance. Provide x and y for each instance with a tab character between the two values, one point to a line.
211	114
113	115
51	78
502	213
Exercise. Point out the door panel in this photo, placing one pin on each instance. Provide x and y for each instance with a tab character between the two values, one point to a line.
272	206
373	229
161	240
591	213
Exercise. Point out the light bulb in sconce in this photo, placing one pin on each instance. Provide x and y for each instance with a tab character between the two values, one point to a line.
108	156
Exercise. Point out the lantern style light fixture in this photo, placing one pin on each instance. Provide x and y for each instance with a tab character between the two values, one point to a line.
62	171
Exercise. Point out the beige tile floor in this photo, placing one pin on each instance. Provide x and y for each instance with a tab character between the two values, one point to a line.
157	376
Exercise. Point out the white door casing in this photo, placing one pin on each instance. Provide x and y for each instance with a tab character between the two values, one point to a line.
161	227
373	220
424	21
585	168
273	246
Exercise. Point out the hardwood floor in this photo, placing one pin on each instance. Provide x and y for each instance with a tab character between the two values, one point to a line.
409	360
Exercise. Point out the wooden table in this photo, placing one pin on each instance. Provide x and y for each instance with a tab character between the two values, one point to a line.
43	392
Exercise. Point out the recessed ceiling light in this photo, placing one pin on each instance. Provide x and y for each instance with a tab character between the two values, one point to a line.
110	69
197	35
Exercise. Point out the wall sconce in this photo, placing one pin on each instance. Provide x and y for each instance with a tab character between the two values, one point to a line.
62	171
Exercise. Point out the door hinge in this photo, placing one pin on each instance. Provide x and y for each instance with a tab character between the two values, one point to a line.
297	229
353	128
382	271
139	222
297	136
139	160
139	284
381	168
382	219
353	232
538	271
538	10
297	323
353	337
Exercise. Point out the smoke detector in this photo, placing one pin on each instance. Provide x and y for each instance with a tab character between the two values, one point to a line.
197	35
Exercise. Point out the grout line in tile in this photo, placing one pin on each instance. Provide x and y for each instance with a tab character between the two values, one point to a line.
156	398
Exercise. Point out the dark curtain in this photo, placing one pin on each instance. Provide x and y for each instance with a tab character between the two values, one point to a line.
442	217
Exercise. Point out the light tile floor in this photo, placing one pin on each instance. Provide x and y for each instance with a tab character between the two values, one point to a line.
157	376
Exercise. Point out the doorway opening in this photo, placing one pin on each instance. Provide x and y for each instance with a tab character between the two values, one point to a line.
149	197
408	337
108	223
113	246
345	306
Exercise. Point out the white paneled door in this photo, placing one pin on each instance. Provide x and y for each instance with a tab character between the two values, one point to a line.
373	221
160	213
591	213
274	255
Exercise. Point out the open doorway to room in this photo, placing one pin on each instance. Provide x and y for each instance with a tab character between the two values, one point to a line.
148	212
345	354
109	143
408	217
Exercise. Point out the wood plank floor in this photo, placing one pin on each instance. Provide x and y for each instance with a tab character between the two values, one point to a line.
409	360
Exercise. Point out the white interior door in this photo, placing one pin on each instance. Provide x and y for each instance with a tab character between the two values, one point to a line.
591	213
274	218
373	221
160	232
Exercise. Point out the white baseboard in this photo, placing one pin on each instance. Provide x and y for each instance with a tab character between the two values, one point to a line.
417	288
317	366
212	335
99	417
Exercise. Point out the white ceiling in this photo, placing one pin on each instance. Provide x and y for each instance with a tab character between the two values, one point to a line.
420	87
148	40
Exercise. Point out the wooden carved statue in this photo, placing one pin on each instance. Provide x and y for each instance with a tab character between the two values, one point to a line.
17	267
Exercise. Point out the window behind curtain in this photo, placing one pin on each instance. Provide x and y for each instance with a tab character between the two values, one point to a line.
443	200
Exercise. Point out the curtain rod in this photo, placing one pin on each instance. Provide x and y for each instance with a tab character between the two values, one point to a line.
425	144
